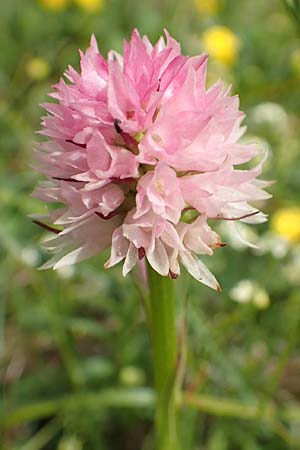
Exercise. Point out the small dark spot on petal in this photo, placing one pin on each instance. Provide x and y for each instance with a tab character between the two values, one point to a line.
158	87
130	115
117	123
173	275
141	252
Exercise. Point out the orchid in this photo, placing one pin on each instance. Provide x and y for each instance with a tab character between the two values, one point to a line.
135	142
142	159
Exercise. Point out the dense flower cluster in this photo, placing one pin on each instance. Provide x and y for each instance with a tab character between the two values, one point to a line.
142	155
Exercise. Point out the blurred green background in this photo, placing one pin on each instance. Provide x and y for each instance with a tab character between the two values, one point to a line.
75	358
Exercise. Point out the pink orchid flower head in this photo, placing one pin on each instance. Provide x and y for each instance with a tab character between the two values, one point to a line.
134	143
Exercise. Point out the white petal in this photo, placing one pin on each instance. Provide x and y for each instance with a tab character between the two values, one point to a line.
258	218
119	248
130	260
171	238
75	256
199	271
237	230
158	258
50	263
173	260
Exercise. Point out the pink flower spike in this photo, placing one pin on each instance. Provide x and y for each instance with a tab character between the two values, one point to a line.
136	143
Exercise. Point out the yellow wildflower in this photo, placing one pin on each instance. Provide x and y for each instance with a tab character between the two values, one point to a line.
286	223
207	7
54	5
37	68
90	5
222	44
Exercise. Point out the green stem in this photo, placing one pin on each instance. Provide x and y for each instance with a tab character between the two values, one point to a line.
164	346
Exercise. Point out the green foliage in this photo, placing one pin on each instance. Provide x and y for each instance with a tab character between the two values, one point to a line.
74	348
